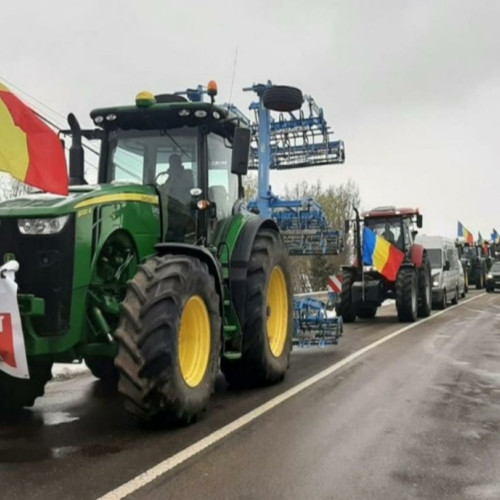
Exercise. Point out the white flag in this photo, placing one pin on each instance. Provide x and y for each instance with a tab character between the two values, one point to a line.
12	351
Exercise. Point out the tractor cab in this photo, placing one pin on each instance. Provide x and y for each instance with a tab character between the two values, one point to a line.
394	225
184	148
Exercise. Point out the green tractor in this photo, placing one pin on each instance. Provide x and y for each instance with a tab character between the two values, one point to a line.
476	262
158	276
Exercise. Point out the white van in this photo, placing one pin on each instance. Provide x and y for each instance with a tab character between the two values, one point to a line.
445	269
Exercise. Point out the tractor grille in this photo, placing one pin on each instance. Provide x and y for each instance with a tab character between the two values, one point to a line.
46	271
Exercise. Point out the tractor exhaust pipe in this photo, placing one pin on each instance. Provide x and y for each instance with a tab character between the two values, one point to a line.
76	158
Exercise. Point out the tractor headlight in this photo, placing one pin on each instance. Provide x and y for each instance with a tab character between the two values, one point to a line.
489	276
48	225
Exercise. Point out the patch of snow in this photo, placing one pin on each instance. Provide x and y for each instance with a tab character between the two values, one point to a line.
65	371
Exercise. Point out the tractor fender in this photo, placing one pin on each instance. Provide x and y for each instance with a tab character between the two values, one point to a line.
417	255
240	259
202	254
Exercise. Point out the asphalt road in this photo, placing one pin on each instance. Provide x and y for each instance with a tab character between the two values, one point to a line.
418	416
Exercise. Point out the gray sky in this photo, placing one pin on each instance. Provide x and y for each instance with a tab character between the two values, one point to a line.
412	87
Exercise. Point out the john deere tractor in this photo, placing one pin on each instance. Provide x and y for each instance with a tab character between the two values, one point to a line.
476	261
158	275
365	288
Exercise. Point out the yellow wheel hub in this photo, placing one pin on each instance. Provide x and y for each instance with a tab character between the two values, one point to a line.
277	311
194	341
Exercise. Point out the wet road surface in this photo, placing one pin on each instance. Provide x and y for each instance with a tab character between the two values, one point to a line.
417	417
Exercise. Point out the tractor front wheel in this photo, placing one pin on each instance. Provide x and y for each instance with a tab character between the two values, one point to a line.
406	294
424	290
169	340
345	306
17	393
268	322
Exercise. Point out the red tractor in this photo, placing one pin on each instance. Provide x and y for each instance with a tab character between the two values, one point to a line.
364	288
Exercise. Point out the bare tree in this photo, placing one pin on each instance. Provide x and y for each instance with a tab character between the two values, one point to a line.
11	188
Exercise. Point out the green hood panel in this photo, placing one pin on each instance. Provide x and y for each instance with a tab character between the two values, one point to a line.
45	204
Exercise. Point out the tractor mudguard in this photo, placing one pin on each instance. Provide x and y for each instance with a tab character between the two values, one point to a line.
240	259
202	254
417	255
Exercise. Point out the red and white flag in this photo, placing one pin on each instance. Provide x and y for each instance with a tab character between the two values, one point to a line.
335	283
12	351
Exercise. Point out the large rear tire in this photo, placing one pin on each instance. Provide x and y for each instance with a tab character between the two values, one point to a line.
406	294
345	307
268	323
17	393
424	290
169	336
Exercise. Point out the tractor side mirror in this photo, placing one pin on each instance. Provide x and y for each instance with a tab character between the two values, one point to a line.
419	220
347	226
241	150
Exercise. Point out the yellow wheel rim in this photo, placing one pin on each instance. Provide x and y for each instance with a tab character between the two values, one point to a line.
194	341
277	312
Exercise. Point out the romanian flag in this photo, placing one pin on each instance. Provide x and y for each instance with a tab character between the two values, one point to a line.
29	150
494	236
379	253
465	233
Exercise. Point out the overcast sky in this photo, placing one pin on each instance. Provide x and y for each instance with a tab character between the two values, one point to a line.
412	87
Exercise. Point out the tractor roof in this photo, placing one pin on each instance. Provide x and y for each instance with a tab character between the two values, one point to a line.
167	115
391	211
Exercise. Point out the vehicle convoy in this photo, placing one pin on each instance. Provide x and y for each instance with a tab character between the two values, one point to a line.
476	262
364	288
157	274
493	277
446	269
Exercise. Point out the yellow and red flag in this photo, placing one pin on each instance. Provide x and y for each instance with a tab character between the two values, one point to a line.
29	150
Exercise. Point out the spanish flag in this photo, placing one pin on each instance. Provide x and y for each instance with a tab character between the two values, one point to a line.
29	150
465	233
379	253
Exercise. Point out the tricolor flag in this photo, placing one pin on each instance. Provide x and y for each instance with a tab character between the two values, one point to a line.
494	236
465	233
379	253
12	351
29	150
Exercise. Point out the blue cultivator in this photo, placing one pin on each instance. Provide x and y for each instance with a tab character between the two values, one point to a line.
315	324
294	140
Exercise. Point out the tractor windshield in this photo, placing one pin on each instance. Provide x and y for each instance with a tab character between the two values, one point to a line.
167	158
389	229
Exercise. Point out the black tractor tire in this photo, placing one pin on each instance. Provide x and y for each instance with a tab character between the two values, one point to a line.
345	307
444	301
172	299
366	312
282	98
424	290
407	294
454	300
103	368
265	357
17	393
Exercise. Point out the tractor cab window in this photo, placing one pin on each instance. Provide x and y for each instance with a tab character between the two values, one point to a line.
167	159
389	229
222	184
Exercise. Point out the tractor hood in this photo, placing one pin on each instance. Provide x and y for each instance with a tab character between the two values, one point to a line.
45	204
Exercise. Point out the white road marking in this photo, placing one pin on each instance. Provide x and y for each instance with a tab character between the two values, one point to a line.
170	463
